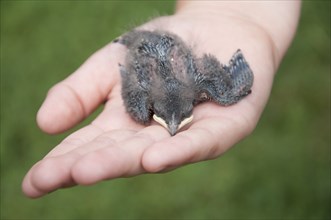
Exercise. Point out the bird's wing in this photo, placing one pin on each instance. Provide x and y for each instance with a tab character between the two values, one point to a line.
225	85
135	94
241	75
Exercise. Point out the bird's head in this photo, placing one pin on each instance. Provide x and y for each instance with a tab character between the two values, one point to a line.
173	109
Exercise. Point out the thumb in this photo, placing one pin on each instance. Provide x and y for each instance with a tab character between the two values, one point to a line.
74	98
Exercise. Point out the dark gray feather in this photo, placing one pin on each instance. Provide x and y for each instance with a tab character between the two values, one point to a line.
161	75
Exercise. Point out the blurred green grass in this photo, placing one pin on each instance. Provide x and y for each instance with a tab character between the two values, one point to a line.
282	171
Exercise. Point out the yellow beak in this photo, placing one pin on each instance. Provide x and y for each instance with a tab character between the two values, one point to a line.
172	129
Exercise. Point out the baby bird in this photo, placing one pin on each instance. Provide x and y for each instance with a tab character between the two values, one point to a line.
162	79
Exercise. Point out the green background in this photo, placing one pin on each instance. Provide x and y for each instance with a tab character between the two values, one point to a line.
282	171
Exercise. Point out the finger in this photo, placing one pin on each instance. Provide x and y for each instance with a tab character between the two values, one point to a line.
204	140
43	178
76	140
54	171
43	184
71	100
113	118
120	160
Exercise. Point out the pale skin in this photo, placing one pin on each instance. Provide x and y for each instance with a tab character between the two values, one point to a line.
114	146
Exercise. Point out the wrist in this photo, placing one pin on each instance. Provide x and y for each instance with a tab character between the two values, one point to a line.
219	8
260	16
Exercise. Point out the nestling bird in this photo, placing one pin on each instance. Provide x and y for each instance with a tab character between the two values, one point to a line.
163	79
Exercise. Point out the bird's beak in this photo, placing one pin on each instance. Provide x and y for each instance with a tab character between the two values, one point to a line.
185	122
160	121
172	127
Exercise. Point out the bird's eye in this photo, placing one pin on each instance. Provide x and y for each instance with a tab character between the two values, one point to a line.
157	112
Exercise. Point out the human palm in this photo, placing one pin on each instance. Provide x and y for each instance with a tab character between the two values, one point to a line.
114	145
